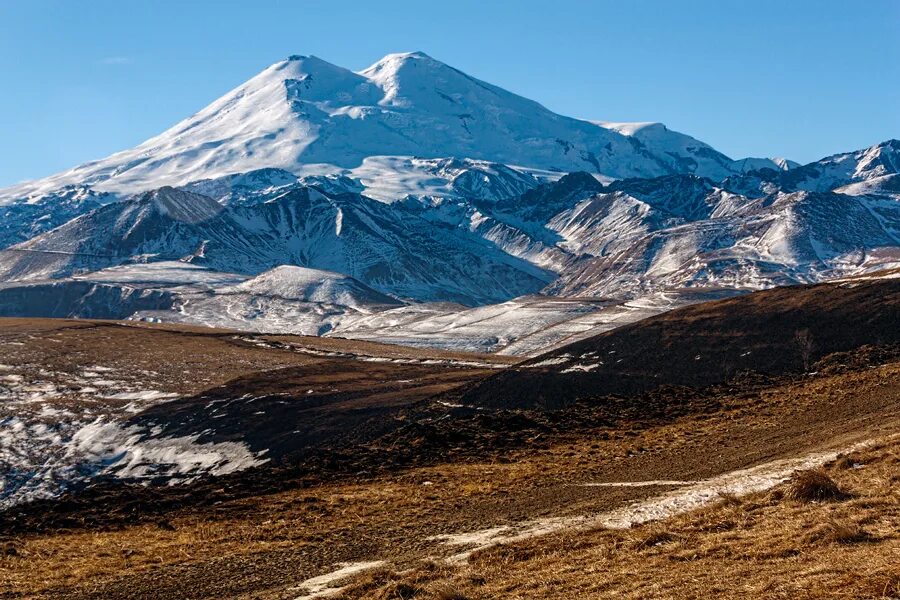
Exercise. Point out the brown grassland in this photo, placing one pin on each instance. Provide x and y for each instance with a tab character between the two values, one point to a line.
771	545
784	543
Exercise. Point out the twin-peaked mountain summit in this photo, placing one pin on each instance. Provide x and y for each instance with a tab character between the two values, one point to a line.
308	116
412	182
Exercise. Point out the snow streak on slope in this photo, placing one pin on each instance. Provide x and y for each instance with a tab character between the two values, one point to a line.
287	299
783	239
310	285
690	496
521	327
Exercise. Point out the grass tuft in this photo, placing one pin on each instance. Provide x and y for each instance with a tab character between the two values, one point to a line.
814	486
449	594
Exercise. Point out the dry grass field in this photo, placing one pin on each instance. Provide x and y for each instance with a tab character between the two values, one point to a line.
765	545
831	533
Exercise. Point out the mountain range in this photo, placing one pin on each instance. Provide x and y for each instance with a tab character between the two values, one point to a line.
409	191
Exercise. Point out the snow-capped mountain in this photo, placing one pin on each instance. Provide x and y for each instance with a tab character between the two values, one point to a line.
311	285
320	200
622	239
306	116
782	239
286	299
382	178
823	175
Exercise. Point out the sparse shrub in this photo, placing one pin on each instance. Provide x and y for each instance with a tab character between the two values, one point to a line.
728	500
506	553
814	486
165	525
400	590
368	582
421	583
429	566
891	589
848	461
804	341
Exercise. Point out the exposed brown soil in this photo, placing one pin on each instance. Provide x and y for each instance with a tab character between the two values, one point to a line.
182	359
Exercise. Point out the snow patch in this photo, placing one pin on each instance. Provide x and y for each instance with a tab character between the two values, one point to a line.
143	395
129	453
548	362
581	368
650	483
327	585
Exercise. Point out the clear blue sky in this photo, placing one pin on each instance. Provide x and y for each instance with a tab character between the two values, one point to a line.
795	78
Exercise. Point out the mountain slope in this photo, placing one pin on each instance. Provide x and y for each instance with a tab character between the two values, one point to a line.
30	217
384	246
286	299
624	239
825	174
771	332
685	154
802	237
311	285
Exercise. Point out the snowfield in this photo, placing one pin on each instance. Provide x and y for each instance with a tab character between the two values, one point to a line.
58	430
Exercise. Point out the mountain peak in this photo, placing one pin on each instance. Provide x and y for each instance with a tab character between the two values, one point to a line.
418	54
631	129
399	58
303	284
403	68
298	66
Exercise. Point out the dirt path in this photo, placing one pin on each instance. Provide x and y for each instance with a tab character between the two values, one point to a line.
691	496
